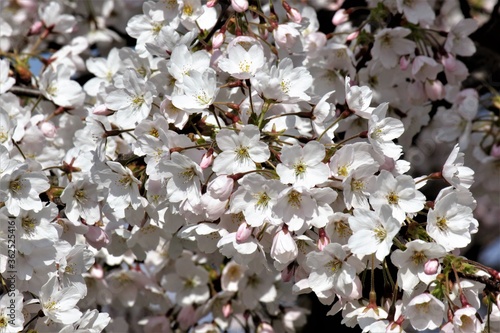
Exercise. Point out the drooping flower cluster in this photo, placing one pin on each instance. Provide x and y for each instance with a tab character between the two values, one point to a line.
235	158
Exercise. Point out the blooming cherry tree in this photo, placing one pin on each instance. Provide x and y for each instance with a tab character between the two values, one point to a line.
195	165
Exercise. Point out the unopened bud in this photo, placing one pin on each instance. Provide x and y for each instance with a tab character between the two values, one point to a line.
404	63
495	150
101	110
353	35
340	17
48	129
36	28
97	272
323	240
449	62
287	273
239	5
227	309
434	90
212	3
207	159
431	266
96	237
218	40
243	233
265	328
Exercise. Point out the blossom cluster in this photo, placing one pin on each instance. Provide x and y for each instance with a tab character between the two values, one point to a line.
237	157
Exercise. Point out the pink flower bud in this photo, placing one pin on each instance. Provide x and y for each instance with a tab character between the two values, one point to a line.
221	187
97	237
186	317
287	273
323	240
101	110
340	17
227	309
352	35
404	62
449	62
218	40
495	150
48	129
207	159
211	3
35	28
265	328
294	15
97	272
239	5
431	266
434	90
244	231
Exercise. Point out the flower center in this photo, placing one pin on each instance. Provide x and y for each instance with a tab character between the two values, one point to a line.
300	168
335	264
442	223
285	86
392	198
28	225
15	186
380	233
357	185
242	153
262	199
419	257
294	199
245	65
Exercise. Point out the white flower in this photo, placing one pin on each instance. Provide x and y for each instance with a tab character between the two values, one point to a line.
295	206
465	320
284	249
104	69
189	282
455	172
257	286
183	63
382	130
283	83
411	262
352	157
449	222
11	315
81	199
425	68
197	91
123	188
358	99
54	19
243	64
185	179
303	166
425	312
397	192
256	198
6	82
57	86
329	270
416	11
240	151
20	189
372	232
390	44
458	41
133	101
58	304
